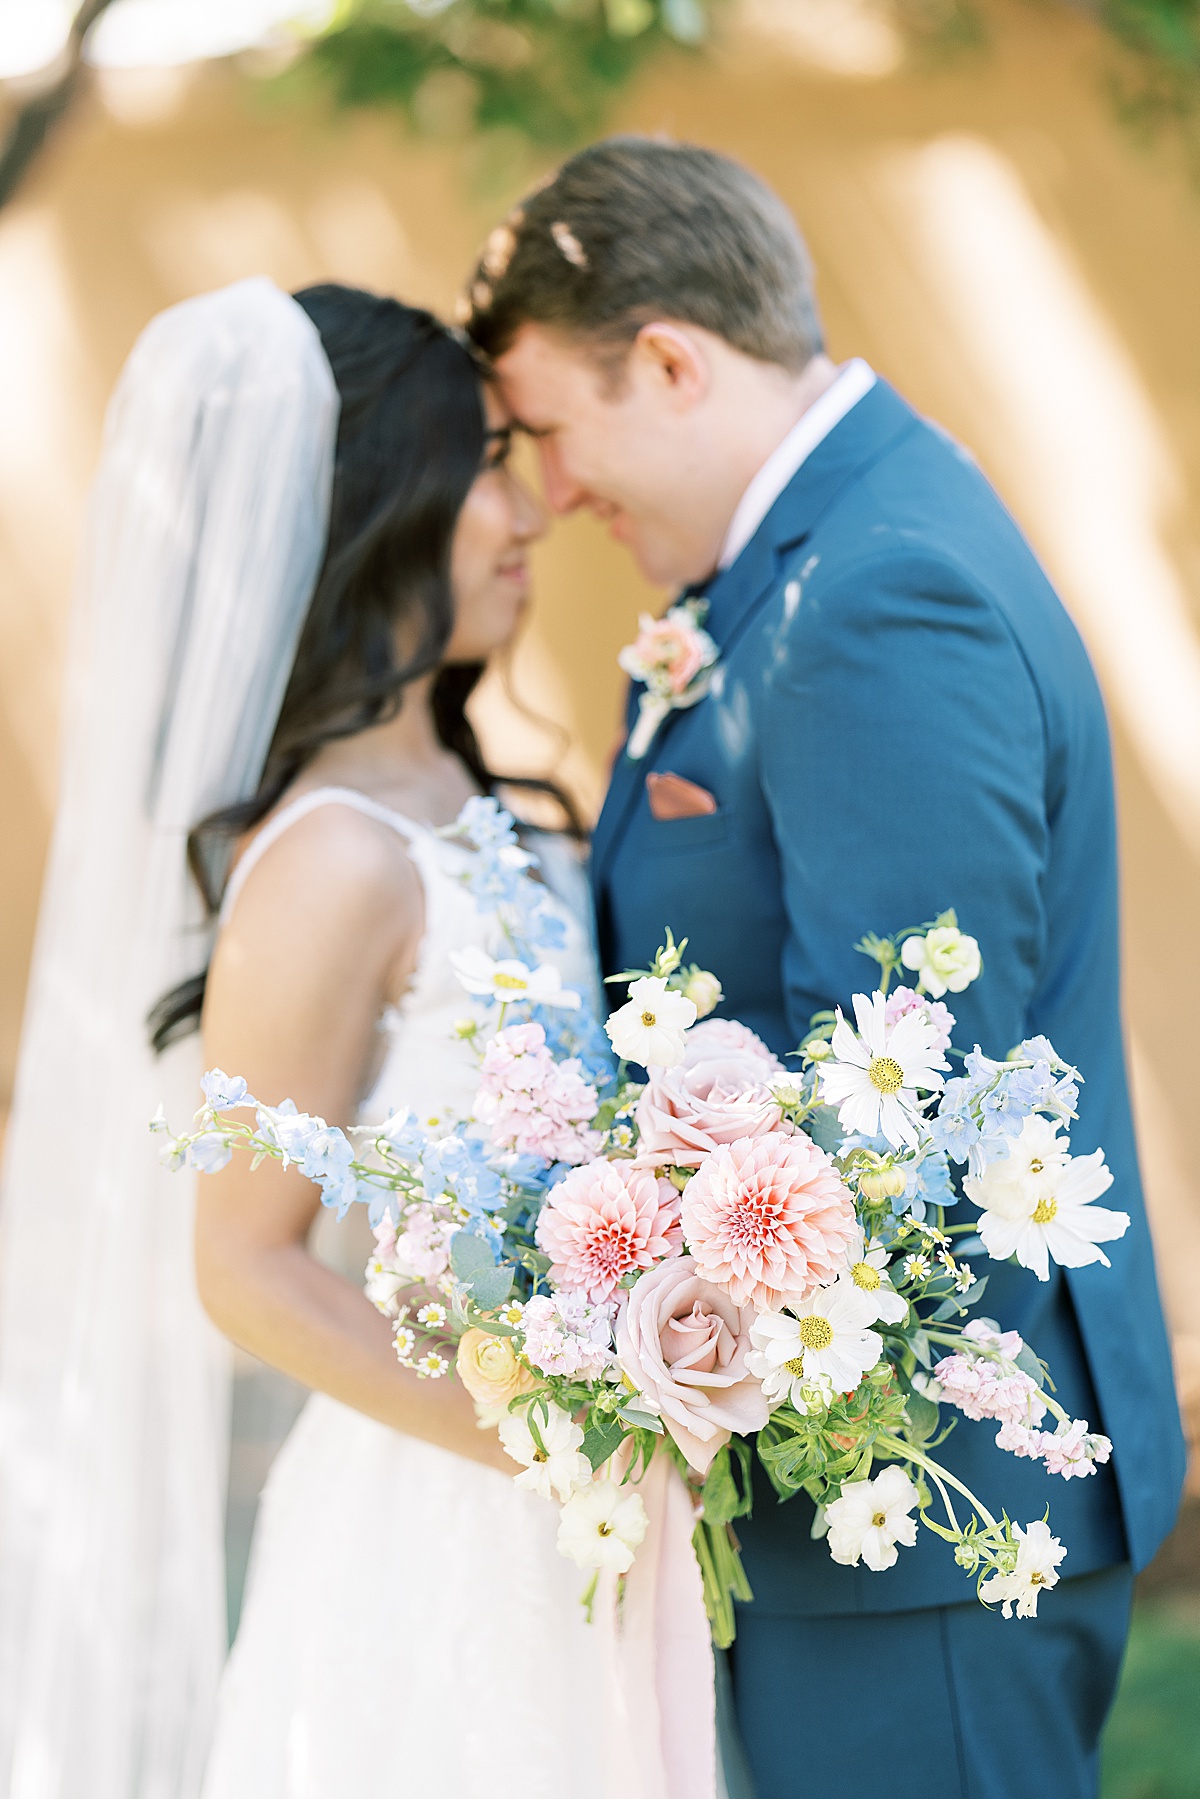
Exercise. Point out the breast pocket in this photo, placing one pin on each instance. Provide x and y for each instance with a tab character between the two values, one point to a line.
708	830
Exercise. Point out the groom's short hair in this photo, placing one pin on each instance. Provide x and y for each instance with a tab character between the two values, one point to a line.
637	228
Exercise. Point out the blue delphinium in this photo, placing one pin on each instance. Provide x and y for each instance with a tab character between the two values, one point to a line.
982	1112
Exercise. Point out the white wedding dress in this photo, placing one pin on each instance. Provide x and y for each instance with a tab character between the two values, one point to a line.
409	1628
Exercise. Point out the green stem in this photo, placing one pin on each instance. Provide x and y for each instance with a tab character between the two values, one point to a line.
906	1453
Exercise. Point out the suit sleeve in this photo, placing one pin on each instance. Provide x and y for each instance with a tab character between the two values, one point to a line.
903	757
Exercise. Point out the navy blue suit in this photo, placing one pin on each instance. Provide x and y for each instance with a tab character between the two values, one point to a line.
905	719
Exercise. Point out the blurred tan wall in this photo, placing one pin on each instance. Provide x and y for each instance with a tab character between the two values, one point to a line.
985	236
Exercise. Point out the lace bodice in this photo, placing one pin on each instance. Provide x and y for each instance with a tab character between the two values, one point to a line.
425	1065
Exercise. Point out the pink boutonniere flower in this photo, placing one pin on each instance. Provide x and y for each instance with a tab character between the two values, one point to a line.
676	660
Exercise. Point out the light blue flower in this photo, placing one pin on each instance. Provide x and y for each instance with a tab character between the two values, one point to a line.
225	1091
982	1112
484	820
209	1152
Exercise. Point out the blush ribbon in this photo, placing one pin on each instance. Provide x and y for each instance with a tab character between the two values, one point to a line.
659	1658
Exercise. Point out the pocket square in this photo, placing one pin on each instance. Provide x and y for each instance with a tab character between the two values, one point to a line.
671	796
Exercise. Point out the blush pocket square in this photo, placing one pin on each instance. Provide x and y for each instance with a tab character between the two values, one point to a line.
671	796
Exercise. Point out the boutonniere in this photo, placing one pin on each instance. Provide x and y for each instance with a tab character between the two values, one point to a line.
676	659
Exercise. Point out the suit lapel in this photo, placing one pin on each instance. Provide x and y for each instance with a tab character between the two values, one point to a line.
735	594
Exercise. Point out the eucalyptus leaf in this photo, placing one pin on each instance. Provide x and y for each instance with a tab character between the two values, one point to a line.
491	1287
470	1255
824	1127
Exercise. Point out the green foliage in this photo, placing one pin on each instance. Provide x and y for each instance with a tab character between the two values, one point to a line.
1151	1745
545	70
818	1452
475	1266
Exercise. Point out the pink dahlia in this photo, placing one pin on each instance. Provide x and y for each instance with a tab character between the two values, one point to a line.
769	1218
605	1220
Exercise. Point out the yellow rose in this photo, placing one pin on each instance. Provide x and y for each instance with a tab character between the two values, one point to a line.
489	1369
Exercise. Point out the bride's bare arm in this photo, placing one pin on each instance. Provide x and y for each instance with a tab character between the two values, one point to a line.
326	927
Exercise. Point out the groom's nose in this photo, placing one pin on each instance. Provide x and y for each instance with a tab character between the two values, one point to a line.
561	490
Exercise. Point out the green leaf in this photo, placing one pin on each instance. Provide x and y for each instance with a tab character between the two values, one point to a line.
1029	1364
825	1129
723	1501
922	1349
640	1420
602	1437
491	1287
470	1255
923	1416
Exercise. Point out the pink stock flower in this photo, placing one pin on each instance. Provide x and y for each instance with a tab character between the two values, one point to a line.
981	1389
1020	1440
769	1218
566	1334
533	1104
605	1220
683	1343
1073	1450
904	999
717	1095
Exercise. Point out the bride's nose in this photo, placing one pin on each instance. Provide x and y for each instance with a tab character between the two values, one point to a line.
528	514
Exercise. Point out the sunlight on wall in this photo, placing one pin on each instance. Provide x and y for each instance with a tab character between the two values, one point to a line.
1076	438
855	38
46	453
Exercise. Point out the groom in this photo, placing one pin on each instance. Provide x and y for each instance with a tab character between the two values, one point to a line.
902	719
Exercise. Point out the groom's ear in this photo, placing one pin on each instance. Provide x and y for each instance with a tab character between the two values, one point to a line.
673	358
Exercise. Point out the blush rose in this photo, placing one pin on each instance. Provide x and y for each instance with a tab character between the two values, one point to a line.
683	1343
718	1095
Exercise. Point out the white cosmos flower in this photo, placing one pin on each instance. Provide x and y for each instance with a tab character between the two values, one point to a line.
867	1265
869	1518
650	1027
944	960
1036	1203
1036	1570
873	1077
556	1467
601	1526
826	1335
511	980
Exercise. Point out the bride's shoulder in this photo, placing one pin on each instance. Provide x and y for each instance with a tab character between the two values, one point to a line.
325	869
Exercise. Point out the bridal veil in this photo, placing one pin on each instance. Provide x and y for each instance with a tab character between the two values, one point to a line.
206	535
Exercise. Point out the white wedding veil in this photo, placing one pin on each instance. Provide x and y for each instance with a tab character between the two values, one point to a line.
207	530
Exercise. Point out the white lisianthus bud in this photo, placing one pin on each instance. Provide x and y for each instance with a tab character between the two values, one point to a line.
884	1182
704	991
945	959
668	959
819	1050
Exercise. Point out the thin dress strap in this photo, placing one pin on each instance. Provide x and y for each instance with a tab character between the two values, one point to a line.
300	808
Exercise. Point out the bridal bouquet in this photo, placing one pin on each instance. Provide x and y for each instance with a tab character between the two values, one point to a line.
732	1258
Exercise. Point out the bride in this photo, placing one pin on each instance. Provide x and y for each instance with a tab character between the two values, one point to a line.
306	542
409	1624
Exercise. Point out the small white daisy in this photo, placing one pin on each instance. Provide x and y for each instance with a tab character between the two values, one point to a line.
433	1316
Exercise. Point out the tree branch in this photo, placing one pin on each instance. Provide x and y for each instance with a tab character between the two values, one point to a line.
38	117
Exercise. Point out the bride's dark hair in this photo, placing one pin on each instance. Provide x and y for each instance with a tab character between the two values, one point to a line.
410	442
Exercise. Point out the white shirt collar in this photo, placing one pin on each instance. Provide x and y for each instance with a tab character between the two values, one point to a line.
854	379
